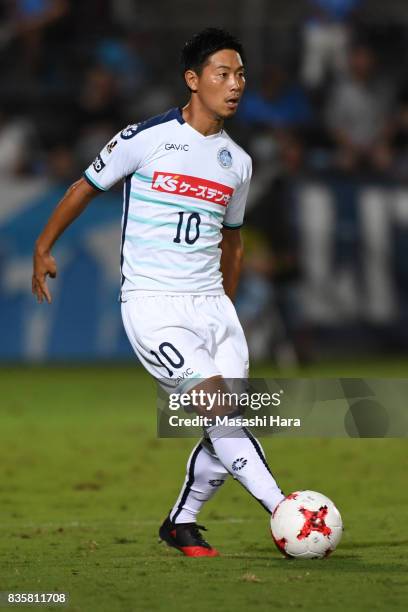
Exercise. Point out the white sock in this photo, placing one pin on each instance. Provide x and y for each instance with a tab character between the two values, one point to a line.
205	475
243	457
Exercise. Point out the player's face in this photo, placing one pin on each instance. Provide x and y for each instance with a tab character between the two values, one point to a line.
221	83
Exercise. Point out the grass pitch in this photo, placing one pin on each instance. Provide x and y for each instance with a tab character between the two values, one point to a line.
85	483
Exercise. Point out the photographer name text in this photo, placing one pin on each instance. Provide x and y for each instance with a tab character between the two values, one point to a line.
256	421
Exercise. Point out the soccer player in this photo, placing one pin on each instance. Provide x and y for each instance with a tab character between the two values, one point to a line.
185	187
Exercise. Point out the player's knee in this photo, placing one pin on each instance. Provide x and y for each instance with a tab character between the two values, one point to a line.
213	397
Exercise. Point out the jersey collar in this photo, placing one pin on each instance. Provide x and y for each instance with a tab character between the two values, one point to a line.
190	127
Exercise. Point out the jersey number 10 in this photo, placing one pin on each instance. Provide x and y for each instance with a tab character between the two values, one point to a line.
192	229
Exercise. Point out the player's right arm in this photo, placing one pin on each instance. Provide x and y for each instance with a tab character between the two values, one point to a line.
68	209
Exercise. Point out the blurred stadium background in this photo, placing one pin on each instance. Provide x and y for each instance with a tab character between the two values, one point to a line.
84	481
325	117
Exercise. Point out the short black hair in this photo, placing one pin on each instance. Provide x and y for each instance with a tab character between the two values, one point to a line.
199	47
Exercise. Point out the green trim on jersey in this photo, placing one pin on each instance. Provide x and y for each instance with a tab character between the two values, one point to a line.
168	246
156	222
144	264
142	177
232	226
138	196
94	182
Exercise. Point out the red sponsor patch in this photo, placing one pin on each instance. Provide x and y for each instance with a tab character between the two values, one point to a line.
192	187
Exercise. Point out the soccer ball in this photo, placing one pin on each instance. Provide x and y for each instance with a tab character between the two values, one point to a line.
306	525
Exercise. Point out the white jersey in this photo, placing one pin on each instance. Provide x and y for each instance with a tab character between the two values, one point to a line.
180	189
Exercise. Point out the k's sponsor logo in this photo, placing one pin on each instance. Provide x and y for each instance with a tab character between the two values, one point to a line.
169	146
192	187
98	164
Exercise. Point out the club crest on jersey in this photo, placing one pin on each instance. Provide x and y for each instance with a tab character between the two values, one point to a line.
224	158
129	131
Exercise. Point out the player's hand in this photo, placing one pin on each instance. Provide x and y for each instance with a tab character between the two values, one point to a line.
43	265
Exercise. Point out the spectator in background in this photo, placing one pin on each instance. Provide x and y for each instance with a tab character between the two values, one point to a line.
281	103
27	23
61	164
358	113
400	135
268	296
16	143
326	37
120	55
98	111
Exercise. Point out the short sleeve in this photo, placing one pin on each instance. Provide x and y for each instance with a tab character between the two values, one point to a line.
119	158
234	216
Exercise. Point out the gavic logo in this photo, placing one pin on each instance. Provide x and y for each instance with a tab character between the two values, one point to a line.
192	187
176	147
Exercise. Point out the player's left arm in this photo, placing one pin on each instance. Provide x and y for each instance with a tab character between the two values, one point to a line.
232	252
